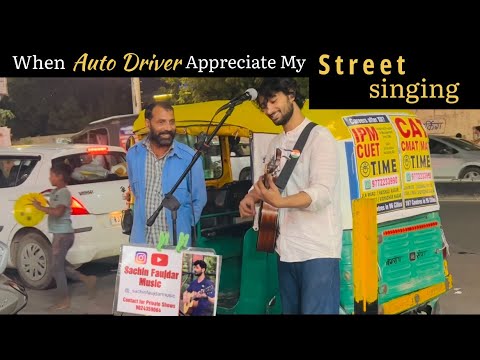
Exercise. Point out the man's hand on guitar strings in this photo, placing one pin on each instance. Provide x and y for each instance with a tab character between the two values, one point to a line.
271	195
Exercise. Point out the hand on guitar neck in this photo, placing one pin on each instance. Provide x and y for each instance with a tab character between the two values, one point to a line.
267	191
265	188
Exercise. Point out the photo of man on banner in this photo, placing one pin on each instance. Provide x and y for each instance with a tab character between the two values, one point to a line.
199	290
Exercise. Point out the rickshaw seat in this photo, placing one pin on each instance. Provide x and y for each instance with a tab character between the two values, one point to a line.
224	200
233	230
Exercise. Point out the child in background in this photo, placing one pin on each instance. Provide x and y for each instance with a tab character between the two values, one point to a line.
60	225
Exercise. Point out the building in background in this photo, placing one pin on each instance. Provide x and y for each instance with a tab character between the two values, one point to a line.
450	122
5	137
3	87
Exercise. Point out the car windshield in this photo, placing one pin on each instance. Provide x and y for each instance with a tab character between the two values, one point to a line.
461	143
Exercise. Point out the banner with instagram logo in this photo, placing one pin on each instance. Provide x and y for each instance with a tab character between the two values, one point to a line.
167	283
149	281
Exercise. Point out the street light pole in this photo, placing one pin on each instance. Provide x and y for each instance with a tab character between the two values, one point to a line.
136	95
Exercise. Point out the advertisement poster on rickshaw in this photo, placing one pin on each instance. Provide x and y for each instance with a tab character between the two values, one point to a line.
377	158
167	283
416	169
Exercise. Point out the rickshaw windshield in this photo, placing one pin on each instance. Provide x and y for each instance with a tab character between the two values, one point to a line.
212	159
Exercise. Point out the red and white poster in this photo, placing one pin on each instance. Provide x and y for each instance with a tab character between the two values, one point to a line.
167	283
149	281
417	176
378	163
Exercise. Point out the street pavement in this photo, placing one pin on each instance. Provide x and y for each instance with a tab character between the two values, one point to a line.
459	219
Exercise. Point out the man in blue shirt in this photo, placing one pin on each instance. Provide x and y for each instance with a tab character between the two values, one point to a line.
201	292
154	166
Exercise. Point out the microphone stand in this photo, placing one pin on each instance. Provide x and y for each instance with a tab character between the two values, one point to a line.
170	202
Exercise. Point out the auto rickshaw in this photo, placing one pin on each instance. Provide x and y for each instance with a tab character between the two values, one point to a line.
394	265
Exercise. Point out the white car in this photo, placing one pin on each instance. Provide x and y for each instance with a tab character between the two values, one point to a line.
97	184
454	158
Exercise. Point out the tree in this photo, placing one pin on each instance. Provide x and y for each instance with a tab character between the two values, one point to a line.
211	262
5	115
49	106
191	90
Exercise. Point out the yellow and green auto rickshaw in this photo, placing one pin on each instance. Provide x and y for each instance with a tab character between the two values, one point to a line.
394	265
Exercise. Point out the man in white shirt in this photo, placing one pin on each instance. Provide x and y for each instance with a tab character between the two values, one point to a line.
309	241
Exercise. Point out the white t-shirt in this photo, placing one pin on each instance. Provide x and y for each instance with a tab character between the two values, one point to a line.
314	232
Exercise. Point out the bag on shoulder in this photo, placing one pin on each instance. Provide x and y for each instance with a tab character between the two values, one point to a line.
127	221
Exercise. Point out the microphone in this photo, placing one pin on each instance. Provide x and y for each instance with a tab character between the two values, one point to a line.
249	94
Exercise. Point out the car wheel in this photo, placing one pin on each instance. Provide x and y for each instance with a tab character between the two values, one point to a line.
245	174
34	261
471	173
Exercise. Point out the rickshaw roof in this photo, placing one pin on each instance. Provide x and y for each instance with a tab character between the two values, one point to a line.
247	117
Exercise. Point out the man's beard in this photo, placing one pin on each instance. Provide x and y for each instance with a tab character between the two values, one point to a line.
198	273
285	118
159	141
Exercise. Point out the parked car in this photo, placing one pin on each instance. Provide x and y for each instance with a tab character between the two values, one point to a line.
13	296
114	130
454	158
97	183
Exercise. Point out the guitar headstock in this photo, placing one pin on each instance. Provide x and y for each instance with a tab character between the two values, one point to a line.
274	162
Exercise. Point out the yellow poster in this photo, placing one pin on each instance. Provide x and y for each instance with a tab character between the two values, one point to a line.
416	169
377	160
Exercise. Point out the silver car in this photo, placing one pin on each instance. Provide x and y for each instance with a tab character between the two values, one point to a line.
13	296
454	158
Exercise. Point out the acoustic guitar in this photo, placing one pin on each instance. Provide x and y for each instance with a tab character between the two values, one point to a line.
268	215
191	302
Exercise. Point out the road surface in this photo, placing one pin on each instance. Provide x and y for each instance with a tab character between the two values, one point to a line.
461	222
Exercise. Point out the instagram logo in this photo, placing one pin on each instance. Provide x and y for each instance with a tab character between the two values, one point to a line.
141	257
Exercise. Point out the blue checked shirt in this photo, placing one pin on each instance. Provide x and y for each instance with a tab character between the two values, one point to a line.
153	176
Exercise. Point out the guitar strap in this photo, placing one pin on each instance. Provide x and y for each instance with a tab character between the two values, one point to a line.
287	170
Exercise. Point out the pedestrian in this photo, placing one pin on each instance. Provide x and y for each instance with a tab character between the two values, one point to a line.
60	225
